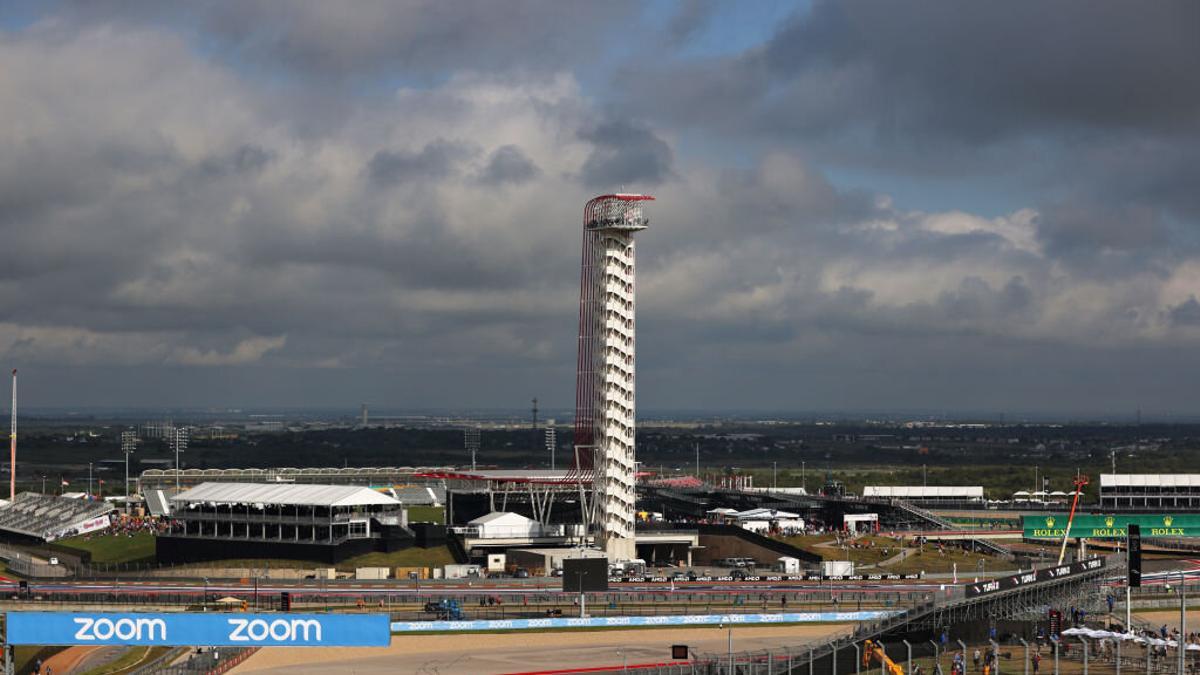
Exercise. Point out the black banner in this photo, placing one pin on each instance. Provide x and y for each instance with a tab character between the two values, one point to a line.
1033	577
1135	555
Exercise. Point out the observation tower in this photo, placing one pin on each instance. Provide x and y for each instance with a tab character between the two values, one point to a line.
604	387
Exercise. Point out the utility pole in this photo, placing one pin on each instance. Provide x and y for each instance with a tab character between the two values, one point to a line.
696	446
803	479
1114	460
1181	642
774	475
89	480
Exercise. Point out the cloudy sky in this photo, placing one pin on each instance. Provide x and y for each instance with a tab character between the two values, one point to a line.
861	205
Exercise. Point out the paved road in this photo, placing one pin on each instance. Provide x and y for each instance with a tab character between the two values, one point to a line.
491	654
406	588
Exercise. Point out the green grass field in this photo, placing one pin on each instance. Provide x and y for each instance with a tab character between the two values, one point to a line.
109	550
131	660
927	560
427	514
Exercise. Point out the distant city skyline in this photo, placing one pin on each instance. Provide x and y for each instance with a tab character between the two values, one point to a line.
862	206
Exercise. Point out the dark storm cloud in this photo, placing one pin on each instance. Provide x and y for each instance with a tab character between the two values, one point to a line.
1186	313
1081	229
437	160
248	158
384	198
972	72
373	38
625	153
692	17
508	164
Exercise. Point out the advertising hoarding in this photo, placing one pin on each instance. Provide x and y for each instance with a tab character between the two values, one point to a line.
1116	526
1032	577
198	629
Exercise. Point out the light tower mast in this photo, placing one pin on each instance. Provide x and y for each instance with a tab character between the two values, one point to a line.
605	416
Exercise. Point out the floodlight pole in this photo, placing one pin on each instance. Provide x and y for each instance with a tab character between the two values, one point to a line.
1181	643
730	648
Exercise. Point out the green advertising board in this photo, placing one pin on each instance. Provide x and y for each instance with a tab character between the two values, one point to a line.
1053	525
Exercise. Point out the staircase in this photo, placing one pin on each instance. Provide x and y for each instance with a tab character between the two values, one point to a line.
943	524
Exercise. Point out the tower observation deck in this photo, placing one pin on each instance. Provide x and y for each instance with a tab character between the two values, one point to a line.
604	391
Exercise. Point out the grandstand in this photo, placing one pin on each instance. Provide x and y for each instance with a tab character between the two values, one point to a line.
168	479
50	517
215	521
1150	491
928	496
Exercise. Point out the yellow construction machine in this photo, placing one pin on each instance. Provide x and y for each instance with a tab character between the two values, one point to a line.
873	651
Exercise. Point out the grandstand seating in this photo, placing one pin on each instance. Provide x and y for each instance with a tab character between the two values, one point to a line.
49	517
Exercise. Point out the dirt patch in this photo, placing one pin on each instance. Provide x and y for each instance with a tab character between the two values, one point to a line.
525	651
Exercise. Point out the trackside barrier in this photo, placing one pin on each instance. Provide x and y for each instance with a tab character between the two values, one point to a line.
659	667
638	621
212	662
216	628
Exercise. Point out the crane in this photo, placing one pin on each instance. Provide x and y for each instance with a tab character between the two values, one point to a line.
874	650
1080	483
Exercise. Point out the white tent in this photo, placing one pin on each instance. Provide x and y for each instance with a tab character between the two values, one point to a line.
504	525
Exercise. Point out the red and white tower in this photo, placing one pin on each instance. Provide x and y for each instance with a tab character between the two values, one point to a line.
605	416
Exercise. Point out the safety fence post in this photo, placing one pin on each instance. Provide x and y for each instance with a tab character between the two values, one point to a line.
1083	641
1118	663
1026	644
908	647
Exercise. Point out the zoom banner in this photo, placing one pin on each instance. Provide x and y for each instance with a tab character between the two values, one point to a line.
192	629
1033	577
637	621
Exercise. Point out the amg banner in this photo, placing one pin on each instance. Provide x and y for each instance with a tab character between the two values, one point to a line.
765	577
1033	577
187	629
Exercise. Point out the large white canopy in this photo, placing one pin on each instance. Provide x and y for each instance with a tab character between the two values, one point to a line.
285	494
921	491
1149	480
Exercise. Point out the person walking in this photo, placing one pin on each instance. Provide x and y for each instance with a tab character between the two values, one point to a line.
1037	661
975	658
